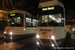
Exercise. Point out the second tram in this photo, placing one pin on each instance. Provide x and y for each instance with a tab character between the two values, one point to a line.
20	24
51	24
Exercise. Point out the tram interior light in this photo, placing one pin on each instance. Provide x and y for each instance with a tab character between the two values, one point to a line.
52	17
55	19
34	20
28	18
12	23
18	17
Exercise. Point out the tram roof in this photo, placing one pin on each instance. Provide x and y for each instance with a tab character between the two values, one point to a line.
50	3
19	11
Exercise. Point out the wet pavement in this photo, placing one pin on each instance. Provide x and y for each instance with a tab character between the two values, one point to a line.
22	44
30	44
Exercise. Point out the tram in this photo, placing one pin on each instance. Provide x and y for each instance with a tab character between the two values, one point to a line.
51	23
20	24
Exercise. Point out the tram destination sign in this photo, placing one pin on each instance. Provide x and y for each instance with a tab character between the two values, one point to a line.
47	8
12	14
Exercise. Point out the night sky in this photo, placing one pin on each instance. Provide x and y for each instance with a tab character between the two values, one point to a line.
21	4
69	4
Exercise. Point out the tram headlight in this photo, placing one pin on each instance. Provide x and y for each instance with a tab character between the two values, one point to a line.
52	37
24	29
4	32
38	36
10	33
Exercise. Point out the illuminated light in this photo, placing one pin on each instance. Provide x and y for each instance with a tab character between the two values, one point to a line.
3	11
10	37
53	45
73	29
34	20
37	43
52	37
12	14
58	21
28	18
10	33
44	9
4	36
18	17
12	23
47	8
52	17
50	8
38	36
24	29
4	32
0	14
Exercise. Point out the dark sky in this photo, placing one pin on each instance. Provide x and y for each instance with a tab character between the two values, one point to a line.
69	4
28	5
21	4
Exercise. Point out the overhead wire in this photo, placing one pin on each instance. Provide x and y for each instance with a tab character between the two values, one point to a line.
12	4
7	3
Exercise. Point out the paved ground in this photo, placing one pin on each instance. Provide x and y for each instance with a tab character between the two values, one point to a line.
18	45
1	35
29	44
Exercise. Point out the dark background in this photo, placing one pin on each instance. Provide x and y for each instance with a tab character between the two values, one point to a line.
30	5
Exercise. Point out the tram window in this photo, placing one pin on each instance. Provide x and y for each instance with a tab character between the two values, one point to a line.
56	18
44	18
51	20
34	22
28	21
15	21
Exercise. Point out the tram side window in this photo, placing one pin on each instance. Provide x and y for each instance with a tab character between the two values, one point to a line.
28	21
34	21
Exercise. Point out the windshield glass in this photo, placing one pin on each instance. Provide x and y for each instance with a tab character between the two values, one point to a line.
51	20
15	21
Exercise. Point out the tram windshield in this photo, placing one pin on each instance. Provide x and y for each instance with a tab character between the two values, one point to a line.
15	21
51	20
